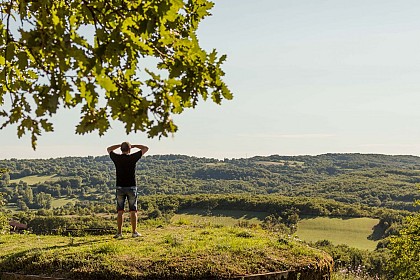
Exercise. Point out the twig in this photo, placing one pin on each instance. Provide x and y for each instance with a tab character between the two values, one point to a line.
5	50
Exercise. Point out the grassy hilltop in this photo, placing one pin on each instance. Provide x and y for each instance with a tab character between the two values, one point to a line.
173	251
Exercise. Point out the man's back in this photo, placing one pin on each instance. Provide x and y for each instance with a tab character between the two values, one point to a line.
125	165
126	188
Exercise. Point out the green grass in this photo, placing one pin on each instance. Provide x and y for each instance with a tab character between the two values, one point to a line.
11	207
282	163
56	202
353	232
350	276
215	164
168	252
34	179
59	202
219	217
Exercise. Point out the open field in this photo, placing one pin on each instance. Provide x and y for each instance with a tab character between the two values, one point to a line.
56	202
282	163
11	207
59	202
215	164
219	217
35	179
353	232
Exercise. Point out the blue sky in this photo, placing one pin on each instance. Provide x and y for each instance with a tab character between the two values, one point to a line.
308	77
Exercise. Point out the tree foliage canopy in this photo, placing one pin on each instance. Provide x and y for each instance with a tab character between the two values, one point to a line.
138	62
405	249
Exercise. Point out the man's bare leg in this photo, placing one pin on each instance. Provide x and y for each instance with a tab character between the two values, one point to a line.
133	219
120	221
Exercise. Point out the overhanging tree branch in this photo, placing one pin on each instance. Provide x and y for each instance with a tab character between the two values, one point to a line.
55	62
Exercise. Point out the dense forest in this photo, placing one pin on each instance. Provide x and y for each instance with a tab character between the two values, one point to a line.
364	179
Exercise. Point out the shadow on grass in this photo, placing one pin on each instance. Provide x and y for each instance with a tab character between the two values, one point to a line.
35	261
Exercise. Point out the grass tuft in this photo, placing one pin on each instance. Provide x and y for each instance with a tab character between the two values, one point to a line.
172	240
244	234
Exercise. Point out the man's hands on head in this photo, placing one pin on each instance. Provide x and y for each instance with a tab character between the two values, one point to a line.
112	148
143	148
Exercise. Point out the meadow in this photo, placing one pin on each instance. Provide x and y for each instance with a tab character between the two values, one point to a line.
36	179
352	232
219	217
59	202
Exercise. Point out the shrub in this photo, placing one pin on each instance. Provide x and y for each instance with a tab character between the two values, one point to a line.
405	251
4	224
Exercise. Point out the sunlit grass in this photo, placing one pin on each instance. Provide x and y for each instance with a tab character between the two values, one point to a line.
182	250
351	276
219	217
353	232
35	179
59	202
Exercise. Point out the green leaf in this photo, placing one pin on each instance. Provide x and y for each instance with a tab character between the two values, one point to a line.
87	91
68	98
106	83
55	19
226	92
82	89
32	74
10	51
23	60
47	126
222	59
212	56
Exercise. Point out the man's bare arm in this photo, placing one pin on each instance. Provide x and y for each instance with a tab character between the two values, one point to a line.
113	147
143	148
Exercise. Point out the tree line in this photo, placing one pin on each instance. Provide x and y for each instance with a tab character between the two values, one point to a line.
372	180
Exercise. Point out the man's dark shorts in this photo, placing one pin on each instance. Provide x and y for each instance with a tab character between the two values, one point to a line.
123	193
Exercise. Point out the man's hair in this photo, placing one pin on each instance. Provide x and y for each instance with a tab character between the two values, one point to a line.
125	147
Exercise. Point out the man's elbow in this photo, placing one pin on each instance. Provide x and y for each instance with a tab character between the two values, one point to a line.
144	150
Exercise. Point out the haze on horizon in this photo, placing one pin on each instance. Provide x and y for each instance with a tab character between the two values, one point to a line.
308	77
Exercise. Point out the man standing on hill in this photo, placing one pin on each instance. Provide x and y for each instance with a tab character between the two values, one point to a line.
126	187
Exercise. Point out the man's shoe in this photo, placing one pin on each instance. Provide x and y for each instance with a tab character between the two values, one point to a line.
135	234
118	236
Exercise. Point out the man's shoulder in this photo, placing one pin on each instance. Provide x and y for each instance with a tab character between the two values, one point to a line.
137	155
113	155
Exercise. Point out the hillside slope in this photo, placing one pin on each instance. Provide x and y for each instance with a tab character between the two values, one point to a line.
168	252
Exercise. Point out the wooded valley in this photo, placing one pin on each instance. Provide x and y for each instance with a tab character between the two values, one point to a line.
369	180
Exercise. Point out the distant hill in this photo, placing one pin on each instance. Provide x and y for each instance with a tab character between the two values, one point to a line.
369	179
